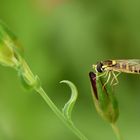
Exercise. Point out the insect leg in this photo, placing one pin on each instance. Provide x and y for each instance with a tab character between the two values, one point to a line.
109	76
104	74
107	72
115	78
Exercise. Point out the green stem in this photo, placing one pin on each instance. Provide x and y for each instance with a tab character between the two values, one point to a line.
116	131
54	108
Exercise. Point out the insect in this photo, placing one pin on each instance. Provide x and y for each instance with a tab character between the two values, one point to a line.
109	67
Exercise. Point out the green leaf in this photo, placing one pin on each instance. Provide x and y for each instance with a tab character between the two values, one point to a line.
67	110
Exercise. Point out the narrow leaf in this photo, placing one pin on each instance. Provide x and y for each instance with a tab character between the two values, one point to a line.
67	110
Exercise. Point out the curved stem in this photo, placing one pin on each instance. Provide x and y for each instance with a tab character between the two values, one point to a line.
54	108
116	131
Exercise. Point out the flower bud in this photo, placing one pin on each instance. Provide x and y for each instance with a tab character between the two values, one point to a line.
104	98
9	49
11	54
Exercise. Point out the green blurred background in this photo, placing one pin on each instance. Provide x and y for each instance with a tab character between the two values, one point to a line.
62	39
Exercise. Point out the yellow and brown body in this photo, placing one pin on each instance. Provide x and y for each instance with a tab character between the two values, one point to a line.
126	66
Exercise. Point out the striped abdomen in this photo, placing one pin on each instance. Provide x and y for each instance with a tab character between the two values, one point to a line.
126	67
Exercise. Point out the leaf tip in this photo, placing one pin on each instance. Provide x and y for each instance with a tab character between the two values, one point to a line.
68	107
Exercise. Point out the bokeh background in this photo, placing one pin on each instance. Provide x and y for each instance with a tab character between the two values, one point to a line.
61	40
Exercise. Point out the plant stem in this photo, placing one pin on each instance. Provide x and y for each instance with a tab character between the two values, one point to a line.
116	131
54	108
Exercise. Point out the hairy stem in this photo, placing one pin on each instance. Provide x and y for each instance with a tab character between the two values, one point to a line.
54	108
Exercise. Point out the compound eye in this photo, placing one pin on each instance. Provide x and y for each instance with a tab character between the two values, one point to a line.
99	67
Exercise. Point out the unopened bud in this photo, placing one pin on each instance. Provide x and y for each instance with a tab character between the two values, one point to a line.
104	98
